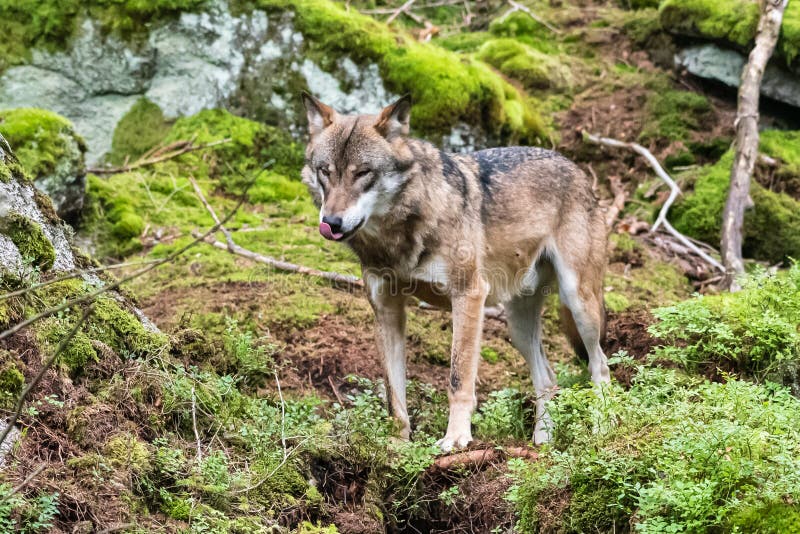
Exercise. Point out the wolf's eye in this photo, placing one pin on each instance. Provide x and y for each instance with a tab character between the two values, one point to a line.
362	174
324	171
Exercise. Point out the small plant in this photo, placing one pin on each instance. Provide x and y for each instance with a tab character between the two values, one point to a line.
504	415
25	515
753	332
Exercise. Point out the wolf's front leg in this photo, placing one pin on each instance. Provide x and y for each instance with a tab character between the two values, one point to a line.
467	329
390	332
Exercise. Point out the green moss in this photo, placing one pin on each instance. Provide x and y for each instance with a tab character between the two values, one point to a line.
463	42
310	528
30	240
11	383
121	329
39	138
534	69
773	518
771	227
142	128
446	87
76	354
490	355
522	28
734	21
51	23
114	215
674	115
251	145
616	302
128	452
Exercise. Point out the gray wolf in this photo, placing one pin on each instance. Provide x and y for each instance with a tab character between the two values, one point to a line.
460	231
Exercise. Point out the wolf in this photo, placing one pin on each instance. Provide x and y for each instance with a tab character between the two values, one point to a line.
460	231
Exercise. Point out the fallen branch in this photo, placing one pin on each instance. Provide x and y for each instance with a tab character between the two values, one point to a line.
519	7
661	220
481	457
399	10
349	281
158	156
390	10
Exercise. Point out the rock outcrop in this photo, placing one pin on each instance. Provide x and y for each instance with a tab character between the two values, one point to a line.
52	153
256	62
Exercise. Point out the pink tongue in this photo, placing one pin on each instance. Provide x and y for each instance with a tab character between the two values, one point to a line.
327	233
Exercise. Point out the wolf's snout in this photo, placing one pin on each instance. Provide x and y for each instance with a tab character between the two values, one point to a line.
331	227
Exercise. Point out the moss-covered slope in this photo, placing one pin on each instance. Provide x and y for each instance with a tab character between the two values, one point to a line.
771	227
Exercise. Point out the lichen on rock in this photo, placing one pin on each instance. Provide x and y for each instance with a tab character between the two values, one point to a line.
52	152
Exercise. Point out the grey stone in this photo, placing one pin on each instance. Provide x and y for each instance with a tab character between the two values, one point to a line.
723	65
253	64
101	64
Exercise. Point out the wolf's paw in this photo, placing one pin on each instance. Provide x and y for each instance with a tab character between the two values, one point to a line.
457	441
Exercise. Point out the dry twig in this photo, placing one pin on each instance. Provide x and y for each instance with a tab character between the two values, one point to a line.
182	147
399	10
349	281
674	192
515	6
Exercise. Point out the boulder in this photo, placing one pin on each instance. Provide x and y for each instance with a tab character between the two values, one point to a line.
712	62
31	234
52	153
255	62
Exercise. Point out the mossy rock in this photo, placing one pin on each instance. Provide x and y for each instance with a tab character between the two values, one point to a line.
142	128
30	240
51	23
733	21
771	227
447	88
52	153
532	68
40	138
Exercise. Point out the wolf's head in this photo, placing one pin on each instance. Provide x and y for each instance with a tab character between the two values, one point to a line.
355	164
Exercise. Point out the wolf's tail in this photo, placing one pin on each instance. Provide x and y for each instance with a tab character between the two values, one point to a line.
570	329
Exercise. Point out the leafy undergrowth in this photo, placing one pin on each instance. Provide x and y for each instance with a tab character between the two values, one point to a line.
753	332
671	454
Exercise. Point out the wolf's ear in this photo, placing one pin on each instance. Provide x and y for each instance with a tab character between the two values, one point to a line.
393	120
320	116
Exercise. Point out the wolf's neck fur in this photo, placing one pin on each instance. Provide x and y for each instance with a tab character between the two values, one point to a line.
407	234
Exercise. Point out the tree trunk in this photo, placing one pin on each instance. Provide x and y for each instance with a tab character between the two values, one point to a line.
747	139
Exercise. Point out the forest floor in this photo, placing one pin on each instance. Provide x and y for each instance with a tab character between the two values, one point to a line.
257	354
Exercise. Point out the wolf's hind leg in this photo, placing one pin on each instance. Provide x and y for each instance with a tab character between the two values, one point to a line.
581	291
390	323
525	327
